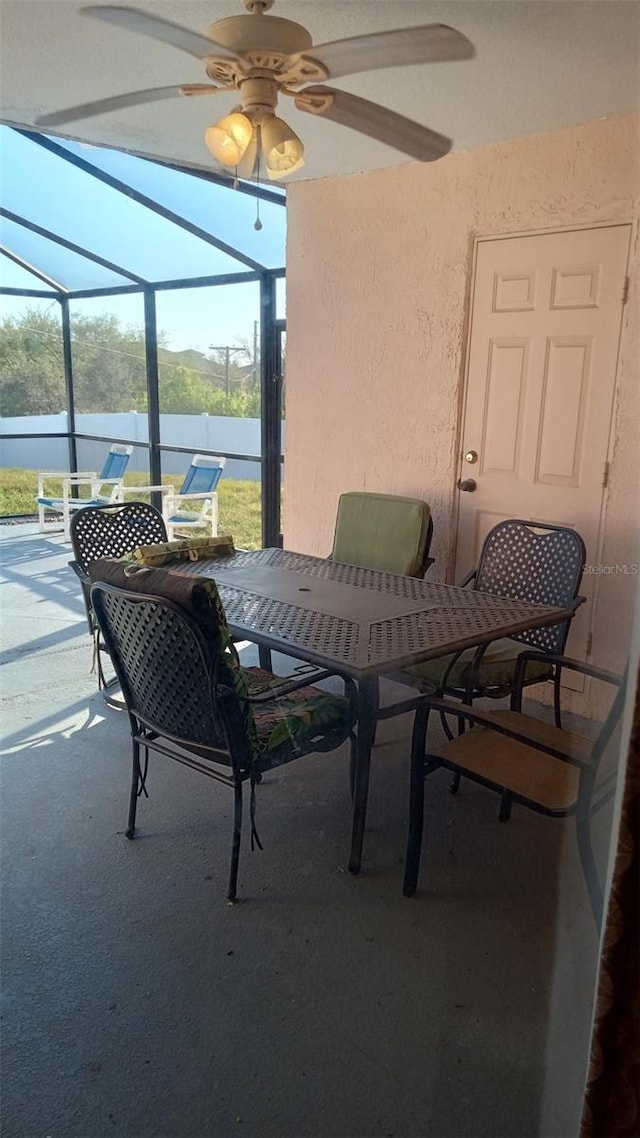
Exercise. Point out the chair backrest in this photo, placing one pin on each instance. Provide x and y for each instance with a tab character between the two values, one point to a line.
541	563
162	660
112	531
116	462
203	475
167	635
383	531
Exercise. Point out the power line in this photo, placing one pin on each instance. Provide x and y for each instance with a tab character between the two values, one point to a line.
128	355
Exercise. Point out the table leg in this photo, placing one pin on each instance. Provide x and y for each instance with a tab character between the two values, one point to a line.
367	713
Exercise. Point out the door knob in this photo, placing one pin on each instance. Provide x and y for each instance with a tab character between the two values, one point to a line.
467	484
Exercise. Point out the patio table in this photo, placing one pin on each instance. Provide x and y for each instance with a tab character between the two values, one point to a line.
361	623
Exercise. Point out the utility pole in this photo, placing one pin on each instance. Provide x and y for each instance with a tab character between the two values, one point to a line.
227	349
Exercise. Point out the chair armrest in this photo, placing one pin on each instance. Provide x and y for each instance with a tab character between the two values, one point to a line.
284	685
75	480
561	661
193	497
68	474
165	488
63	476
79	572
537	733
468	578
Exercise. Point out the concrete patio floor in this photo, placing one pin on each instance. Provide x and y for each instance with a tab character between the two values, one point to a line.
138	1004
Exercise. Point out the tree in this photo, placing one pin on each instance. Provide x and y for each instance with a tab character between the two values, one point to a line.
31	365
109	367
182	392
109	370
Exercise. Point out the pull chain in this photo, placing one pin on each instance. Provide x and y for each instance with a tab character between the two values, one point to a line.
257	223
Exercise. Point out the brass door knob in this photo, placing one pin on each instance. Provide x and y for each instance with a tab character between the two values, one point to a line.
468	485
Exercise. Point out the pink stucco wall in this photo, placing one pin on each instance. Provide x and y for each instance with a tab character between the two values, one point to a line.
378	281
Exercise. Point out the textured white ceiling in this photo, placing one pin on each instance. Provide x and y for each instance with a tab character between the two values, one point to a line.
540	65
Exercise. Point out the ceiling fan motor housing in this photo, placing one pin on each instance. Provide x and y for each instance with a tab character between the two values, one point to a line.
262	44
259	97
260	33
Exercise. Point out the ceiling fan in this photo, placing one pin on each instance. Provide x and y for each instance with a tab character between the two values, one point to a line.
264	57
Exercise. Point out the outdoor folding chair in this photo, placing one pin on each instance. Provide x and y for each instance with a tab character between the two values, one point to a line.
188	697
111	476
198	487
524	759
97	532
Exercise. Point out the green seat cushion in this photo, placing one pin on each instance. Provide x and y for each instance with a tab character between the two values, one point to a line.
382	531
495	673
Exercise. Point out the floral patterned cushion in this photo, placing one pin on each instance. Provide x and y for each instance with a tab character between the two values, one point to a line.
287	724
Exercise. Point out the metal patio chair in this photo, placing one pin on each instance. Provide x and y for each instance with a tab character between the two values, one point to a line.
111	476
188	697
198	489
536	764
522	560
97	532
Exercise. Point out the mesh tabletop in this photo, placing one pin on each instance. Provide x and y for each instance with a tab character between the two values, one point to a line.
356	620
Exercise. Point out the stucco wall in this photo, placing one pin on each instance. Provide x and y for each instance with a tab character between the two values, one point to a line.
378	280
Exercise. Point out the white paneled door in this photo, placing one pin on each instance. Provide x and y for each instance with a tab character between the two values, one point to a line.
541	373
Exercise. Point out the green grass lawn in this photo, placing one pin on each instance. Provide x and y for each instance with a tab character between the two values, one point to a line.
238	502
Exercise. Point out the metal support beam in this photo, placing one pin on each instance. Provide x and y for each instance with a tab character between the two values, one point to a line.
135	195
67	356
153	395
70	245
270	418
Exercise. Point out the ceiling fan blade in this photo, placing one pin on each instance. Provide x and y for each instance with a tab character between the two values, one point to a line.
135	20
132	99
433	43
378	122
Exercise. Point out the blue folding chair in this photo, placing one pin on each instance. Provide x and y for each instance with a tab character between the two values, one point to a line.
199	487
105	488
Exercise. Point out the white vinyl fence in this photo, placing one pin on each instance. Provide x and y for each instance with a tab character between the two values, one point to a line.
197	432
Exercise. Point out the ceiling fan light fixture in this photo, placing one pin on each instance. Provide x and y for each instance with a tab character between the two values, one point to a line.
282	149
229	138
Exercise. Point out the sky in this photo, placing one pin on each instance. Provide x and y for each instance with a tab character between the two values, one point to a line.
190	318
98	217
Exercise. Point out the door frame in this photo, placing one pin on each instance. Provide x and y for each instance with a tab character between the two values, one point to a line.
479	238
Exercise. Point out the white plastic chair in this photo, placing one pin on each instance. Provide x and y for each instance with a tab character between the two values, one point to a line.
199	485
111	477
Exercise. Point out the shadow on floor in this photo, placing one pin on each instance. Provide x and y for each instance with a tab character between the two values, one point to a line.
138	1004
